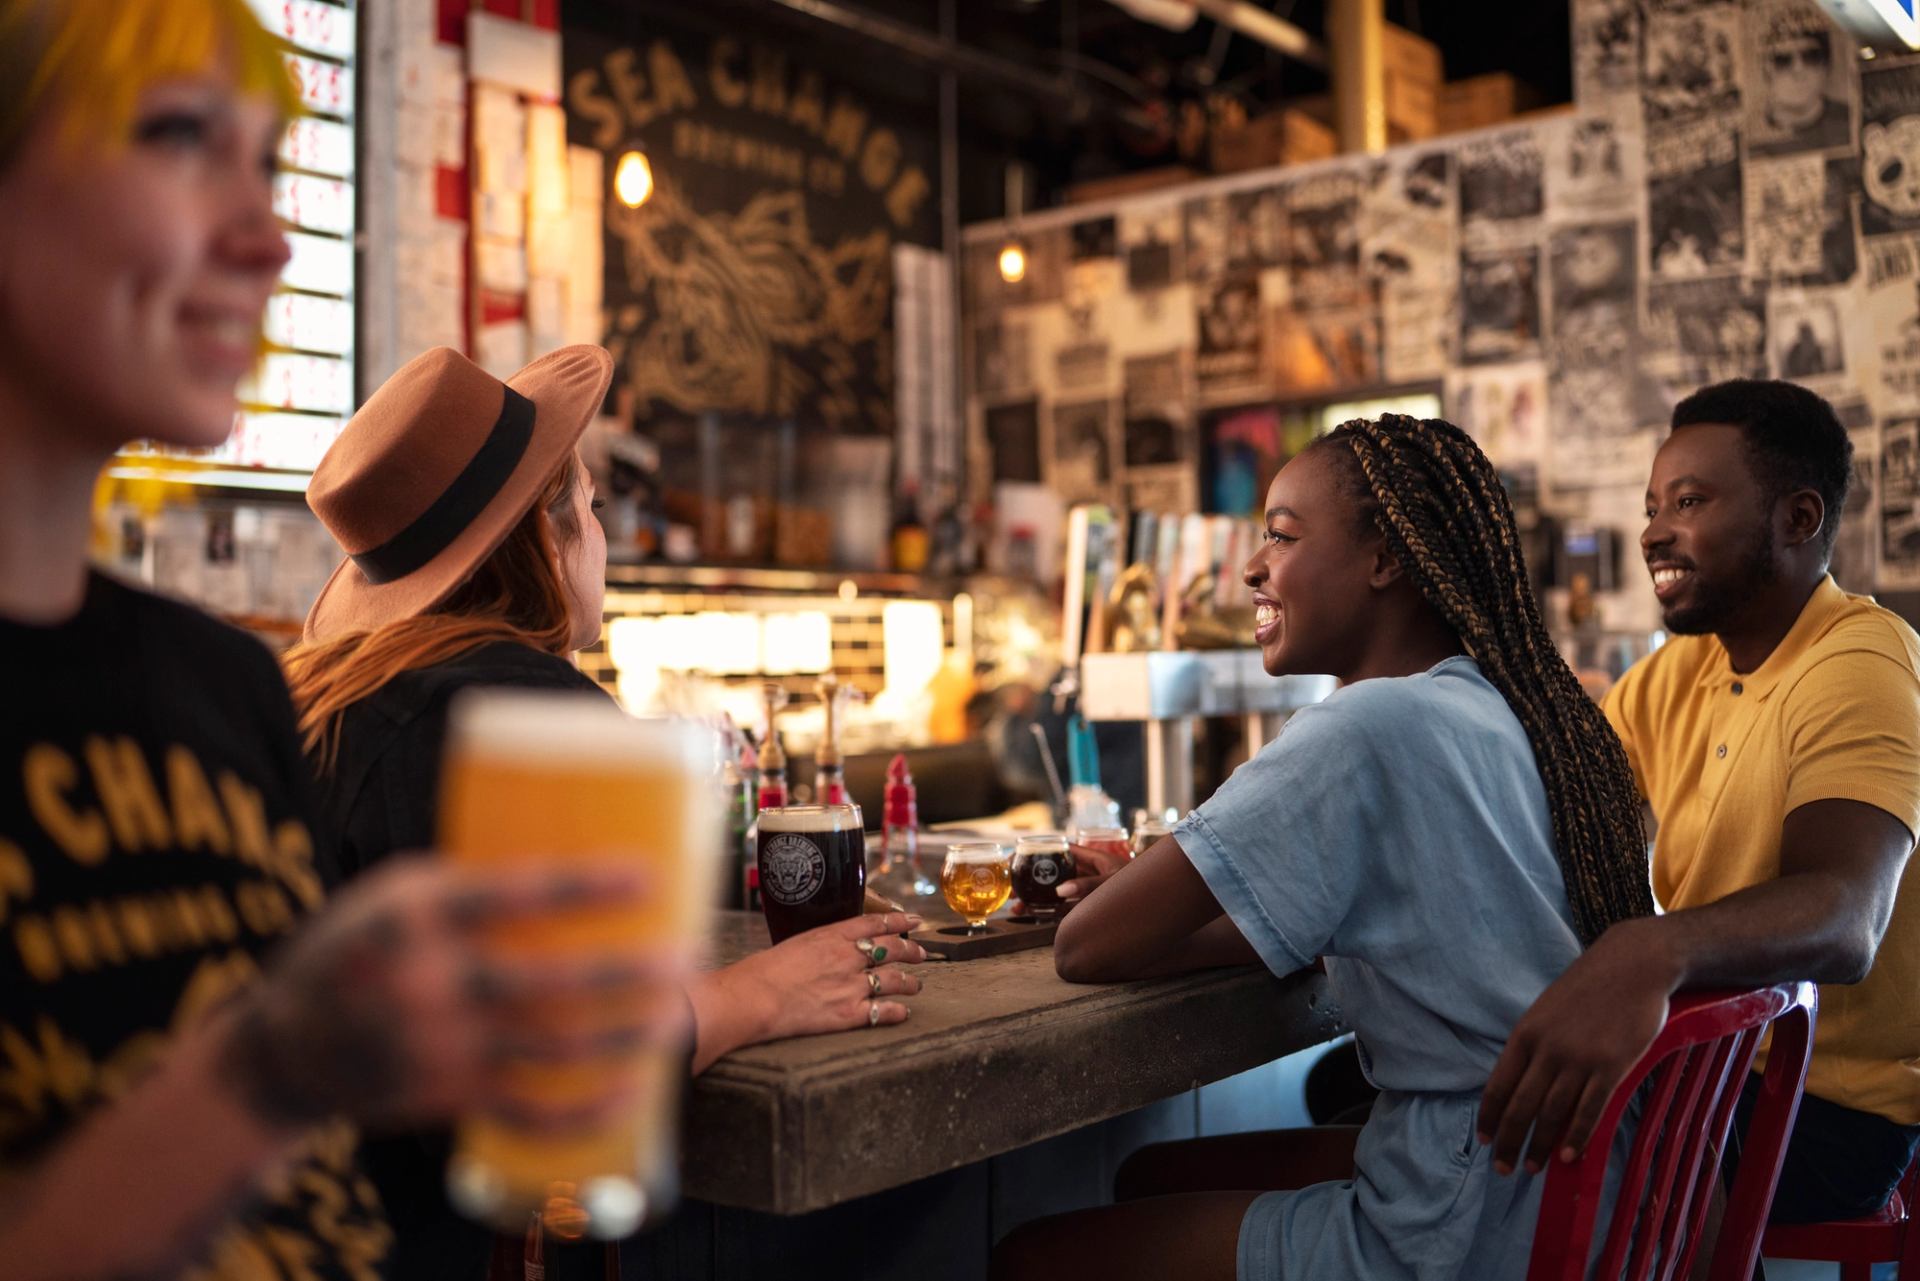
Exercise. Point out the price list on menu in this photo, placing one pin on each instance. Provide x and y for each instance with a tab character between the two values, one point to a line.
302	393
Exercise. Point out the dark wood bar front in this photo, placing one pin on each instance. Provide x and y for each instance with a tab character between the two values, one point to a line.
999	1053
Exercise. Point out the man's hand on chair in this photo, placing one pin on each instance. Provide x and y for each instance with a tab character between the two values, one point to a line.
1570	1051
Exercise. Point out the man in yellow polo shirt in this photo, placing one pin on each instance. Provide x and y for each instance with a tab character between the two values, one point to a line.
1777	741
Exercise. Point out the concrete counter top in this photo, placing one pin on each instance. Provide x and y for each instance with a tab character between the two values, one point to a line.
998	1053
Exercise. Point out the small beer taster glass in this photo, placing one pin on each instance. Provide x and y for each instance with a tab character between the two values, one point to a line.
1106	840
1041	862
977	880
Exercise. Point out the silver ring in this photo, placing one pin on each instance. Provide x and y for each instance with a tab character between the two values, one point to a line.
873	1014
873	982
865	948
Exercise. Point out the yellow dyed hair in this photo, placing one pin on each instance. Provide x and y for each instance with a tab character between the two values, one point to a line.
90	60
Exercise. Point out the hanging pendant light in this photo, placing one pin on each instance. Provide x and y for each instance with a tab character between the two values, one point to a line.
1013	254
633	179
1013	261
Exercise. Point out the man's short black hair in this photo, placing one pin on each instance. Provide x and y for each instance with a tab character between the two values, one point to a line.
1794	439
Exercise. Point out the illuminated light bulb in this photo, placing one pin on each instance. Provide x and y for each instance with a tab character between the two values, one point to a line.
1013	263
633	179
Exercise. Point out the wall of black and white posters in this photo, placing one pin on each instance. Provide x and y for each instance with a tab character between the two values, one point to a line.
1735	193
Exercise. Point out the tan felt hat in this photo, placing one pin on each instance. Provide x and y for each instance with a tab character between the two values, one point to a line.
435	470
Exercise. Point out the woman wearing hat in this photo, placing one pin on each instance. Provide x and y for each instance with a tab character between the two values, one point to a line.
181	1061
474	559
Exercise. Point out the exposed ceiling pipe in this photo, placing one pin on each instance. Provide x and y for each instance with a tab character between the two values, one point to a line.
1255	23
1174	15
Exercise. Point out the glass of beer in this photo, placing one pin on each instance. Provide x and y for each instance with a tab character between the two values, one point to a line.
1147	833
976	880
1106	840
1040	864
813	866
572	777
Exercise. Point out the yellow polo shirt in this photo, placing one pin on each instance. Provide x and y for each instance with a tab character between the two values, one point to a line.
1722	758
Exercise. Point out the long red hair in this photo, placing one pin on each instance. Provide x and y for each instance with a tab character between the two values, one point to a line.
517	594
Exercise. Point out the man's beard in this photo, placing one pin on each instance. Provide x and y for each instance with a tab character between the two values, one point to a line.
1714	605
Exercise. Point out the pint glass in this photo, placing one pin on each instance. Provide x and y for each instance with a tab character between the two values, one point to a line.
813	866
563	776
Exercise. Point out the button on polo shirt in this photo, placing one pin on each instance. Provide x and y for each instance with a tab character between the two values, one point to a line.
1723	757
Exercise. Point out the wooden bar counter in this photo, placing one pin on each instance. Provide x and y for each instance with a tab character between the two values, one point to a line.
997	1054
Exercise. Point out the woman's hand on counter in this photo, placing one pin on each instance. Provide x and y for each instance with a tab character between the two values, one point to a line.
814	982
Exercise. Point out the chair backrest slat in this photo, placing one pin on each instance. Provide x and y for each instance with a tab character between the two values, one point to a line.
1697	1065
1739	1063
1620	1233
1668	1144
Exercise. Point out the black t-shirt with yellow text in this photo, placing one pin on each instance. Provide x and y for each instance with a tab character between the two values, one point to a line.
154	844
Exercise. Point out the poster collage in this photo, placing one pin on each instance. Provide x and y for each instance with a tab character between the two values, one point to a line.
1736	194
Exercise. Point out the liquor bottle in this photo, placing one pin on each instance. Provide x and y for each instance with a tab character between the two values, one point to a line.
534	1265
909	540
773	758
900	829
737	801
746	886
773	774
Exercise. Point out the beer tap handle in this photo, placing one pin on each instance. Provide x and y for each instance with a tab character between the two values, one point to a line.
1065	689
774	696
772	756
832	699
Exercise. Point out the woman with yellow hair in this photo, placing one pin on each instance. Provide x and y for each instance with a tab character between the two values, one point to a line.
178	1065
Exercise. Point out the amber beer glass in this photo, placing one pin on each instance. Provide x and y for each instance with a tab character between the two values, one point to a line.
813	866
563	776
976	880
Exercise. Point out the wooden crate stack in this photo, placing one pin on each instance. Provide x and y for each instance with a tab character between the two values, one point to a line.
1302	131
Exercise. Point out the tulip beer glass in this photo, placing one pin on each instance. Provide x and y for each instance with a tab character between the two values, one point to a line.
1040	864
976	880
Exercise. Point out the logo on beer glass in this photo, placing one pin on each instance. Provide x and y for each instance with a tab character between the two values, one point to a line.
792	869
1045	871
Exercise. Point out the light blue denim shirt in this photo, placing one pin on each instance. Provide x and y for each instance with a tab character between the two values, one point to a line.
1399	829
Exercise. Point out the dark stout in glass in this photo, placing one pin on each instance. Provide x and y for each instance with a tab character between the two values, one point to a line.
1040	864
813	866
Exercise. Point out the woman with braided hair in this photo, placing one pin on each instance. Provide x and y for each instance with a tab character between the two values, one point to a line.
1447	831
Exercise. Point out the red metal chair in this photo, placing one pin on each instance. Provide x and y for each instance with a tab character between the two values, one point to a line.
1696	1067
1856	1244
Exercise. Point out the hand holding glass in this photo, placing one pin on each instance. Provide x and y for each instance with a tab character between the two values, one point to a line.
565	777
1106	840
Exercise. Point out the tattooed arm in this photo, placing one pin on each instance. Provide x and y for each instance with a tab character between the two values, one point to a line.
382	1009
137	1187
